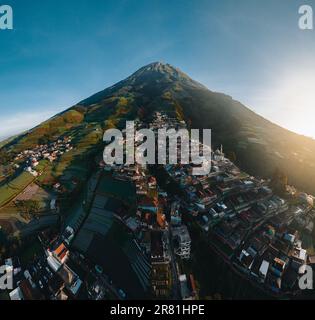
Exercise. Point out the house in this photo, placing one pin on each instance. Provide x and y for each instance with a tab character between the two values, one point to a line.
16	294
289	237
278	267
186	294
160	262
71	280
53	205
132	223
263	270
182	241
299	255
61	253
148	204
246	259
159	247
53	263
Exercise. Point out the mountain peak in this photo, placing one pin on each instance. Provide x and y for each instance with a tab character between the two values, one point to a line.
160	67
156	75
162	72
156	64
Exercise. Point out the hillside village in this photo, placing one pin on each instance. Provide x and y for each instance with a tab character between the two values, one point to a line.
29	159
144	220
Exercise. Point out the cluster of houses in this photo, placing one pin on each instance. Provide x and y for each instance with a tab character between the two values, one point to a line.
239	215
149	225
274	258
48	277
244	221
158	225
29	159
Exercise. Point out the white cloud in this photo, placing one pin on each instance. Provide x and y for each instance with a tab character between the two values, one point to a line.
23	121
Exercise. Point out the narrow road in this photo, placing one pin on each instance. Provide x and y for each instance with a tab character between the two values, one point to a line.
175	281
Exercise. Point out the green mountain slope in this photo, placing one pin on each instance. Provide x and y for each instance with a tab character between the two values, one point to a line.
259	145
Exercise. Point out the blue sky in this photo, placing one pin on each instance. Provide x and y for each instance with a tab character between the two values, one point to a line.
63	51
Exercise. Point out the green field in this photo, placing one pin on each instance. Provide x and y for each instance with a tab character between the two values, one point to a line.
6	141
75	163
14	187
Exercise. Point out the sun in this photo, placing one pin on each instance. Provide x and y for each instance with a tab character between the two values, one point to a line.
299	92
294	95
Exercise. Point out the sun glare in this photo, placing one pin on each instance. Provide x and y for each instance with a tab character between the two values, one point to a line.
295	97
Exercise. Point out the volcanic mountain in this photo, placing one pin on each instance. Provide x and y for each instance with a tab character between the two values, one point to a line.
257	145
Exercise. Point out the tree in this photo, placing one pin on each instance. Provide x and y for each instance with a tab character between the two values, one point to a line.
3	243
5	157
279	182
29	208
231	155
45	139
